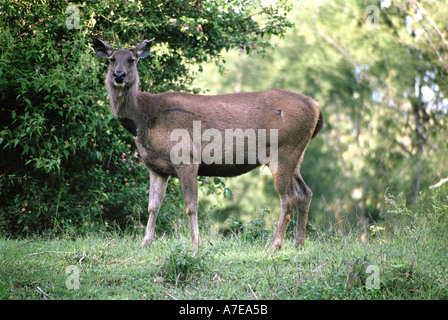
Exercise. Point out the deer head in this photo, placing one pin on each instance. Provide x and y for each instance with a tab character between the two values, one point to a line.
123	63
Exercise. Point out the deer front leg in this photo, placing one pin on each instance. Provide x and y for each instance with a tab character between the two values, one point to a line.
189	185
157	188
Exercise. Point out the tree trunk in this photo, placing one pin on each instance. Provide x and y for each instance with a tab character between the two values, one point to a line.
420	118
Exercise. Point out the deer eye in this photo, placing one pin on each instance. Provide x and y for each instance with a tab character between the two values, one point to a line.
131	61
112	60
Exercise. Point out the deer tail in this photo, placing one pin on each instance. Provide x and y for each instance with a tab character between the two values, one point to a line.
319	124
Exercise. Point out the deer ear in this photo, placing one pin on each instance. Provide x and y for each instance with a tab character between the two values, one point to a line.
143	48
102	49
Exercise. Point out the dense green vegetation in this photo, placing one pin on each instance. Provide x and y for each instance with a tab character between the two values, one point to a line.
382	88
71	179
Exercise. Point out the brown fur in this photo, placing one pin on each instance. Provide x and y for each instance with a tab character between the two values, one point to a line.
151	118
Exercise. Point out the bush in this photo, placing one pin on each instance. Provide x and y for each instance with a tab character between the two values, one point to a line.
252	232
62	152
185	265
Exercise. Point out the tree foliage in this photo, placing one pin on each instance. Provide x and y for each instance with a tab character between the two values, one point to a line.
379	72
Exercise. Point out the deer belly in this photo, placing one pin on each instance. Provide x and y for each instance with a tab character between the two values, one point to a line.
225	170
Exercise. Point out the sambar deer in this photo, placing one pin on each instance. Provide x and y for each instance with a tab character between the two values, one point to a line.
293	118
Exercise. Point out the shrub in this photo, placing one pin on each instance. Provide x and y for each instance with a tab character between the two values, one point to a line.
254	231
184	265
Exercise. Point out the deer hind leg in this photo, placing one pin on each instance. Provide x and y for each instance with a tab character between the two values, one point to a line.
303	205
293	192
285	218
157	188
284	183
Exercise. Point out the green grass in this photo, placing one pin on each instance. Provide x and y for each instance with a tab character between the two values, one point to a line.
403	257
411	261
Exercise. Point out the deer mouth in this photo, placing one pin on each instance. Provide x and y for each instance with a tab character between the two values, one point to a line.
119	84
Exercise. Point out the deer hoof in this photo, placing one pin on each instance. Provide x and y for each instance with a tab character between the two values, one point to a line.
275	246
299	243
146	242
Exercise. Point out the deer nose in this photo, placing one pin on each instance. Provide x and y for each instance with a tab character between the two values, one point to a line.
119	76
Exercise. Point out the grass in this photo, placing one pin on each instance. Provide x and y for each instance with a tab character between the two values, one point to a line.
408	259
224	268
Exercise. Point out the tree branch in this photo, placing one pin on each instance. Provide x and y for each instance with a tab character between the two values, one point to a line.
439	184
431	22
347	56
434	47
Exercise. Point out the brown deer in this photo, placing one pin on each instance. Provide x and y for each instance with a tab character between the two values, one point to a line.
291	120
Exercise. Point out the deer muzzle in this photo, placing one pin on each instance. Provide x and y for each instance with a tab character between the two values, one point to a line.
119	78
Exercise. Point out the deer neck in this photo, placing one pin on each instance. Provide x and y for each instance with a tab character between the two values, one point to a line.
124	103
123	100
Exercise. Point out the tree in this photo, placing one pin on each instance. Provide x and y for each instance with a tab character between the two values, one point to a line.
378	71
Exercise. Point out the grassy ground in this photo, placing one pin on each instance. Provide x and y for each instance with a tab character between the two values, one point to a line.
409	261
